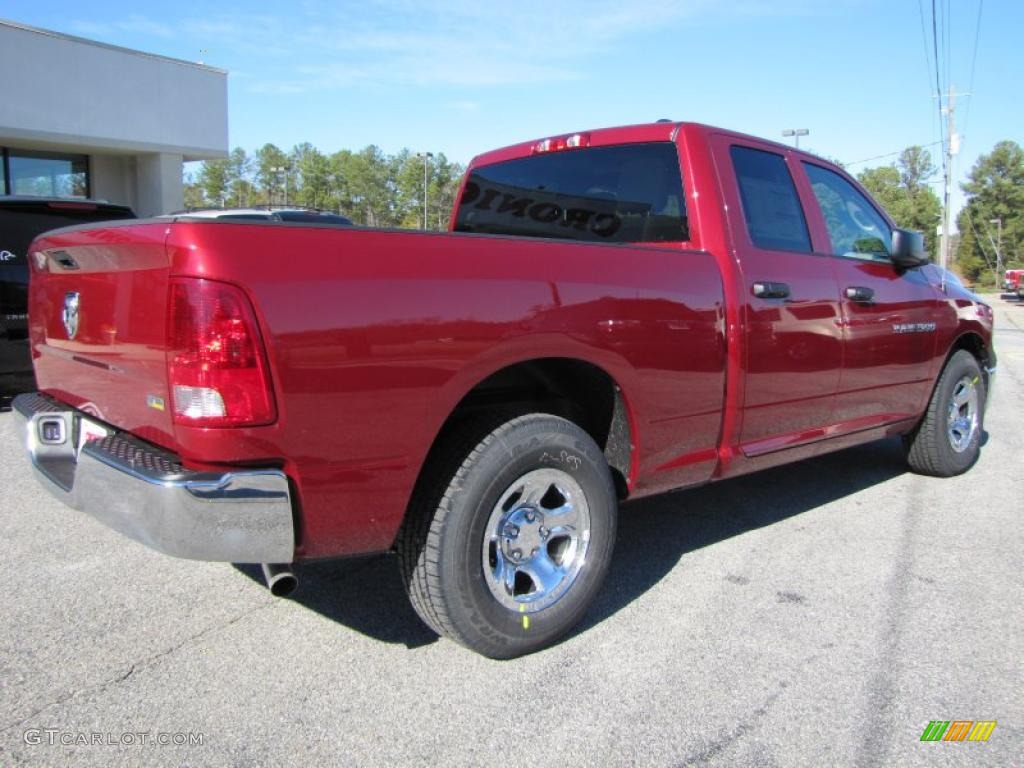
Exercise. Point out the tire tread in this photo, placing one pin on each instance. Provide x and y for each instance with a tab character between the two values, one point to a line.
924	452
429	511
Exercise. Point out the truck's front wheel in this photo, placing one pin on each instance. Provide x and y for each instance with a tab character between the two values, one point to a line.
948	439
505	553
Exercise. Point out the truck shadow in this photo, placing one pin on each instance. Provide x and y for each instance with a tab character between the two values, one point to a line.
366	594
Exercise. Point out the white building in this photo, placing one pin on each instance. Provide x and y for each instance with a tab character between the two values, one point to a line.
86	119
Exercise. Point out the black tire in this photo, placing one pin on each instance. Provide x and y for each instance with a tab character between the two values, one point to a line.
930	448
442	543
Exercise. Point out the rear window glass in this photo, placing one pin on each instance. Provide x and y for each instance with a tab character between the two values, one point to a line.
775	219
623	194
20	224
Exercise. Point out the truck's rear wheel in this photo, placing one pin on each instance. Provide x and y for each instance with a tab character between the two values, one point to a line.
948	439
510	547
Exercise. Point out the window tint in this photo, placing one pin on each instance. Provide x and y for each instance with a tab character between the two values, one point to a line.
19	224
770	203
855	228
623	194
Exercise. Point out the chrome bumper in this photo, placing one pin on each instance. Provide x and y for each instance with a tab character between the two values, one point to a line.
143	491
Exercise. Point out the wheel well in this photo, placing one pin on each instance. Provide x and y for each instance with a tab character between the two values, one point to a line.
974	344
572	389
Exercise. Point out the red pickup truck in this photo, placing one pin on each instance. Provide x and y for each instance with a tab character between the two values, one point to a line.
615	314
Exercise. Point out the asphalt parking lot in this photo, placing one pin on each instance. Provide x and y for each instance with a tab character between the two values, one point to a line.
819	614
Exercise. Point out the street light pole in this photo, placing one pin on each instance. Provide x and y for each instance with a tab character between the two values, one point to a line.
426	156
283	170
796	133
276	169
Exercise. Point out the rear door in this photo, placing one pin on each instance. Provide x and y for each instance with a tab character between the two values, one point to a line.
889	315
793	337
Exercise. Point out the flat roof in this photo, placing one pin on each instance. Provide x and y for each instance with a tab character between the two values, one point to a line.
69	91
97	44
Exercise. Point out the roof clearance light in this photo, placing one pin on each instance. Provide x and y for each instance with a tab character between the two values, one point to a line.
558	143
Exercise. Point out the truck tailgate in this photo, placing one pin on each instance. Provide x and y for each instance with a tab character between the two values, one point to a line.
98	320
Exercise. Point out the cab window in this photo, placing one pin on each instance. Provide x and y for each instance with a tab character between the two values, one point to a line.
771	206
856	229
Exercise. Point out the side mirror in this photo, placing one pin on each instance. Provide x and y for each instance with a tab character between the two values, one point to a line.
908	249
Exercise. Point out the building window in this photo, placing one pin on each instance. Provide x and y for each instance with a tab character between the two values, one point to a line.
45	173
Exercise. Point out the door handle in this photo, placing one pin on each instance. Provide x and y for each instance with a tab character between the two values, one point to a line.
766	290
860	294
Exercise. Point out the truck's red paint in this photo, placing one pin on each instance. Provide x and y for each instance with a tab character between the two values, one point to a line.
374	338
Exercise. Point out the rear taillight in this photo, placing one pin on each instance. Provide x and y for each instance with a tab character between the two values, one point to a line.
216	366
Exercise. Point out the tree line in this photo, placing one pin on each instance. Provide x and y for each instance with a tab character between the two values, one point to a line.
991	223
380	190
370	187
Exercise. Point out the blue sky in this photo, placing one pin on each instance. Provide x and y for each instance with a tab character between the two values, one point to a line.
462	77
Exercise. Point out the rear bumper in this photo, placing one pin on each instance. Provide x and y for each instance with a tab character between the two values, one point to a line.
142	491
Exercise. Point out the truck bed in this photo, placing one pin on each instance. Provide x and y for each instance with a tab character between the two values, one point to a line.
373	337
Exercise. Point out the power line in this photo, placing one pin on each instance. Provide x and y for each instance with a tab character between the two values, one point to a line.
977	35
887	154
947	138
924	42
938	85
936	123
977	240
946	24
974	62
935	48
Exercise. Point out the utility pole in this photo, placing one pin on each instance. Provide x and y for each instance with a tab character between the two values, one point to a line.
952	150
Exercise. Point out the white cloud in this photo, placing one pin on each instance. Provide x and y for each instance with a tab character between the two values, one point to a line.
395	42
315	46
466	107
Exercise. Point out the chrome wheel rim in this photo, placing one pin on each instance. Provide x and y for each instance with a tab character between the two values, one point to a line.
962	417
536	540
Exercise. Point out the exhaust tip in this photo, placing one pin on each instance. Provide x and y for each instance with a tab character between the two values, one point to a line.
280	579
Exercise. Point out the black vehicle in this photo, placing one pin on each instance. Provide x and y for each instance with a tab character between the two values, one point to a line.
295	214
21	220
